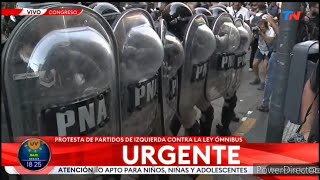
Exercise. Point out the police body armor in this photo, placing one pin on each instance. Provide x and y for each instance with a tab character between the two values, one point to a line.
141	58
61	78
222	61
173	61
199	45
240	53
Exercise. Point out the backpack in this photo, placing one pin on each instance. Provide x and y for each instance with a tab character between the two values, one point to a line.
255	20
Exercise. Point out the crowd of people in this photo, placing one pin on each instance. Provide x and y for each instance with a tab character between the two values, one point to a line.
263	18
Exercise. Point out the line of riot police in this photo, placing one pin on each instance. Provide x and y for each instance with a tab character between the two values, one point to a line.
112	71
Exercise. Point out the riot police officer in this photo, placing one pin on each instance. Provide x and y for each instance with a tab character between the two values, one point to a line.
61	79
220	72
185	26
207	111
177	15
141	57
173	61
157	10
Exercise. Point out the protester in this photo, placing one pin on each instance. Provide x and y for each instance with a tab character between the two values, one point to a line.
312	20
273	9
311	90
193	5
308	28
238	11
253	9
308	131
269	83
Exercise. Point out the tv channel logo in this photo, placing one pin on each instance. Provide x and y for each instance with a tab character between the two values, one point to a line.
34	154
290	15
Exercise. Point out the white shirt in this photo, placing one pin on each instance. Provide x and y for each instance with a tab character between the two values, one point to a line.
242	11
262	44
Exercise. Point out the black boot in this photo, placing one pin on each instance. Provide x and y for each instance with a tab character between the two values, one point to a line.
221	131
226	117
175	125
194	130
235	118
233	103
206	121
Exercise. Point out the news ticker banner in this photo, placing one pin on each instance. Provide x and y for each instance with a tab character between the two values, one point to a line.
157	155
41	12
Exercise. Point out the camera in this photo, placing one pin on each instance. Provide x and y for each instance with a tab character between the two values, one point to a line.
255	29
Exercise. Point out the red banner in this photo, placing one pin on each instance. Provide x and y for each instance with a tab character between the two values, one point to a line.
108	153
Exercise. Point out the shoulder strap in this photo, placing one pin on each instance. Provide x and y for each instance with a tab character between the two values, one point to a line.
308	112
235	13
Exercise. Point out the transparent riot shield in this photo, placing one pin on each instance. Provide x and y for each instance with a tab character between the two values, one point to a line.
60	78
222	61
141	57
173	61
240	53
199	45
62	67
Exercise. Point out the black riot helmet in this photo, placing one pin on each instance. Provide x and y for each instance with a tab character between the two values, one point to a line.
177	15
107	10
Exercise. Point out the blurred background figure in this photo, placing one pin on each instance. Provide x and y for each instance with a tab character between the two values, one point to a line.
308	28
273	9
193	5
258	12
157	10
225	3
253	8
237	10
312	19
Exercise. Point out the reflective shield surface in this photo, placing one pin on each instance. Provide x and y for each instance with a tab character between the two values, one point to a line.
141	57
60	78
222	61
199	45
240	53
173	61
